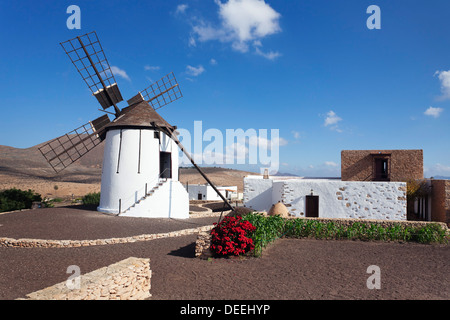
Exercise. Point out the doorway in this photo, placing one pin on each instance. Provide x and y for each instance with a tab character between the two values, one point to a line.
312	207
381	169
165	165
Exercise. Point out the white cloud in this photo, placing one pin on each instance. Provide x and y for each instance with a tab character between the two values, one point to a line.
443	168
119	72
433	112
444	78
249	19
331	164
332	118
151	68
282	142
296	134
213	62
242	22
181	8
437	170
192	42
271	55
264	142
195	71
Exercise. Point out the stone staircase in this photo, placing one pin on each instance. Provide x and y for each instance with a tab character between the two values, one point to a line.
148	194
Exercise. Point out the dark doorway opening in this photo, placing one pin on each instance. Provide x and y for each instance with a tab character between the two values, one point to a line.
381	169
165	165
312	207
200	196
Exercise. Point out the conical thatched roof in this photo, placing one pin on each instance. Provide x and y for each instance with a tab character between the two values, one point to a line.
279	209
140	114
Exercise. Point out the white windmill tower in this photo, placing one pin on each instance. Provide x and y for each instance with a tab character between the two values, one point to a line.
140	163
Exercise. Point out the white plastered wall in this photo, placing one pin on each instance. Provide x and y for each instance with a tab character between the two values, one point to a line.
170	200
130	162
337	199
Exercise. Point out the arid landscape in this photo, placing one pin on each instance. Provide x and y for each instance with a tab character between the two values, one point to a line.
27	169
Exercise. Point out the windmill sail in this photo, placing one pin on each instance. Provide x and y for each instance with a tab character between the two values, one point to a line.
86	54
162	92
65	150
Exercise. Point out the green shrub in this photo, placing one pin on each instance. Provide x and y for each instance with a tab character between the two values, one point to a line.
91	198
16	199
269	229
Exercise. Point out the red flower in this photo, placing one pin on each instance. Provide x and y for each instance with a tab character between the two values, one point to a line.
230	237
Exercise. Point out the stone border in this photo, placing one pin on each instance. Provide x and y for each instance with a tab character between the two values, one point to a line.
208	214
129	279
39	243
14	211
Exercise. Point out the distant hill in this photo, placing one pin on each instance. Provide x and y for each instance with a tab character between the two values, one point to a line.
27	169
441	178
219	176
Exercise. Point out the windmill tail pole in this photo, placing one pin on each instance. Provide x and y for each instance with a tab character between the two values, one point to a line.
174	138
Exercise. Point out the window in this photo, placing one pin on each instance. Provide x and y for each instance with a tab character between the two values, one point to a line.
381	169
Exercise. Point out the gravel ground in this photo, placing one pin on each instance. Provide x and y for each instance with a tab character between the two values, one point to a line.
290	269
84	223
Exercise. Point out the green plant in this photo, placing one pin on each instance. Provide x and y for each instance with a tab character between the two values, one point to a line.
16	199
269	229
432	233
91	199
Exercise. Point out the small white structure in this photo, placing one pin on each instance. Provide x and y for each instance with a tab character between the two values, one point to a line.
206	192
327	198
140	168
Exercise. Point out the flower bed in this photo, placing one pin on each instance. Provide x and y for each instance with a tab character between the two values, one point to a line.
270	228
231	237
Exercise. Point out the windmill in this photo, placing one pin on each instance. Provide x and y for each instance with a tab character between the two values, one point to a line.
140	162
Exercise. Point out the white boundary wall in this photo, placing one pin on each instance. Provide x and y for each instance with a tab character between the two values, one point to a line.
337	199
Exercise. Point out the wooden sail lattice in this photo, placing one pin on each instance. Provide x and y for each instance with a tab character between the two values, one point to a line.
162	92
65	150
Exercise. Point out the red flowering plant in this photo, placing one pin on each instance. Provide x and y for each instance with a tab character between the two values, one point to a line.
231	237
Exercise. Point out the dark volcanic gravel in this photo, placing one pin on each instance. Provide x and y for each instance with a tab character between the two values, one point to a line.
78	223
289	268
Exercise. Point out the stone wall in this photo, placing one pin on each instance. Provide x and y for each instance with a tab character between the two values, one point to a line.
40	243
440	201
337	199
203	244
404	165
129	279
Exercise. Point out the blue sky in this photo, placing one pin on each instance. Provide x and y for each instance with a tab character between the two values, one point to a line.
310	68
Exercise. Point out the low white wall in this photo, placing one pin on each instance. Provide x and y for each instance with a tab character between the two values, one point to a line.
337	199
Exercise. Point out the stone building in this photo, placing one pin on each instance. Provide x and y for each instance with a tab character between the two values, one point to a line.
399	165
440	201
381	165
373	185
